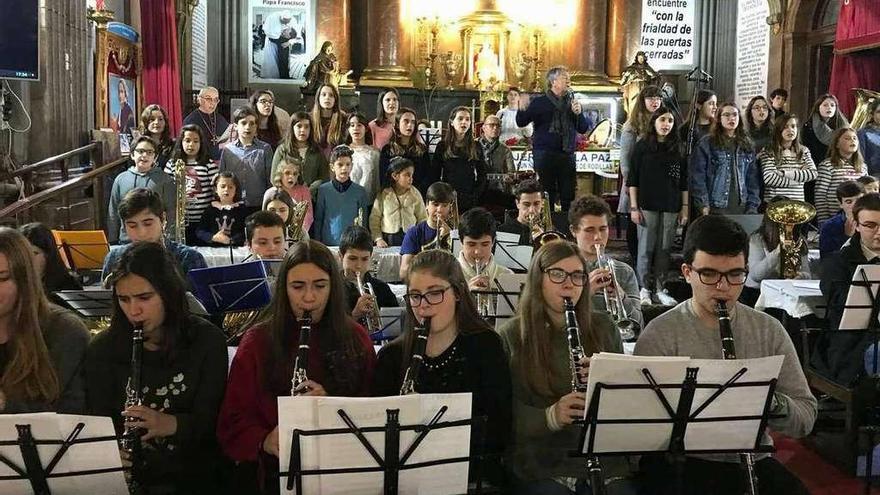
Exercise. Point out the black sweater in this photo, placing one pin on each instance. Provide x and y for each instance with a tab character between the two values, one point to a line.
424	174
190	387
467	177
474	363
213	217
660	174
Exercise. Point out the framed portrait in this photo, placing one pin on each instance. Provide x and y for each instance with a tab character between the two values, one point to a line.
282	40
119	89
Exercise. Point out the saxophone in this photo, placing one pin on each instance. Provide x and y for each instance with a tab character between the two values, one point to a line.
302	355
373	318
728	351
180	191
579	384
411	378
295	222
134	396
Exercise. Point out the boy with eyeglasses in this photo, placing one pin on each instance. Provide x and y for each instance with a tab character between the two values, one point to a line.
839	356
142	174
715	252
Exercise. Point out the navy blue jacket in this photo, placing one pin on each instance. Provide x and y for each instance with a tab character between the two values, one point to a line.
540	113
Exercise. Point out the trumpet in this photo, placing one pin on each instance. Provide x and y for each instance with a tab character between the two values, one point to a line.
411	378
134	396
444	241
613	295
542	230
482	300
579	384
302	355
373	318
728	351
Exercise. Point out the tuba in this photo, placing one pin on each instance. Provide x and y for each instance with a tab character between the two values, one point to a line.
542	230
864	98
788	214
180	193
302	355
134	396
297	218
614	298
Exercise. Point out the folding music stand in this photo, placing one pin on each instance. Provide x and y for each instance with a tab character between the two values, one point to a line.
242	287
81	464
82	250
391	463
97	303
686	413
392	324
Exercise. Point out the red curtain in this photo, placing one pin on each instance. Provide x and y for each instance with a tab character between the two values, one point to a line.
856	65
161	68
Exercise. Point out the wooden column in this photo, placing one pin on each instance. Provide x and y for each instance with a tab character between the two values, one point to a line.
388	54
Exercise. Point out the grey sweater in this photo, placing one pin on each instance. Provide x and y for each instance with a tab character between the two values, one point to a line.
154	179
679	332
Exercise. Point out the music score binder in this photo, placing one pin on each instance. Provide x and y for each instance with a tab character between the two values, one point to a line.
242	287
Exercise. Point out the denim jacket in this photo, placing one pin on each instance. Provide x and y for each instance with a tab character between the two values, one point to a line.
710	176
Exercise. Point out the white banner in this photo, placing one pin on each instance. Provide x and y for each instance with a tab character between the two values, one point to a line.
282	40
667	33
752	50
602	162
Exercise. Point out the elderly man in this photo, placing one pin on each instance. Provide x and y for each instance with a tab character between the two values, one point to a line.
558	118
206	116
499	162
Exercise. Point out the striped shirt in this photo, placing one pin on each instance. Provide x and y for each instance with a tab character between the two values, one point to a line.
199	192
826	186
788	176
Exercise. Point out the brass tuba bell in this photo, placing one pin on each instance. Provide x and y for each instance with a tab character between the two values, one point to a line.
861	117
788	214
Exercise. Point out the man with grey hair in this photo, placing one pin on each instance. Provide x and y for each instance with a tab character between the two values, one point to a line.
209	119
557	118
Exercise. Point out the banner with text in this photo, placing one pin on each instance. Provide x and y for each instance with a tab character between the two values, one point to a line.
667	33
604	162
752	50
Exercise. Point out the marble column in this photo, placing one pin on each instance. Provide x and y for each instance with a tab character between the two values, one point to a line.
388	62
584	53
334	24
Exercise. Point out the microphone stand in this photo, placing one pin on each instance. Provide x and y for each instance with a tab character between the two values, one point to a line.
699	77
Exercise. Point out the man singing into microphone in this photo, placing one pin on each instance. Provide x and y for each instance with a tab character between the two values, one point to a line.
558	118
715	253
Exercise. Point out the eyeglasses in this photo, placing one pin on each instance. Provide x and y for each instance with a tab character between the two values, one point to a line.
728	115
432	297
210	98
872	226
264	101
654	99
558	276
144	151
713	277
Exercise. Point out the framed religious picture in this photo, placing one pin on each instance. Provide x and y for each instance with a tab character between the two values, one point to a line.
282	40
118	84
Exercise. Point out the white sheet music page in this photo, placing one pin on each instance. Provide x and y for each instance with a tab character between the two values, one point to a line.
345	451
79	457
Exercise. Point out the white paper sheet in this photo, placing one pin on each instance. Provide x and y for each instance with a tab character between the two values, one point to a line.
345	451
611	369
79	457
505	305
857	318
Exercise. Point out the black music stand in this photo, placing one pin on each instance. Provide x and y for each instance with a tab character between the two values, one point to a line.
506	249
391	463
34	471
88	303
679	416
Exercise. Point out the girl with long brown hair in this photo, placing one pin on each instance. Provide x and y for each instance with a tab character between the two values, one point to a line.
544	406
459	159
786	165
406	143
154	123
463	353
328	119
300	145
268	127
41	345
844	163
382	127
341	356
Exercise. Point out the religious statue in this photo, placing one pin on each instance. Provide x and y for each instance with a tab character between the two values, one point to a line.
451	63
323	69
521	67
634	78
486	66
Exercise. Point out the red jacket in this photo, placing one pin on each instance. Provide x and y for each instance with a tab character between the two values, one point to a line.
249	411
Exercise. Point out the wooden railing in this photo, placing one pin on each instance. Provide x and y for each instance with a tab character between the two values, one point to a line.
22	211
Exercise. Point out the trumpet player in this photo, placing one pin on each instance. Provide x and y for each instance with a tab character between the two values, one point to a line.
588	217
477	232
715	252
529	204
438	206
355	252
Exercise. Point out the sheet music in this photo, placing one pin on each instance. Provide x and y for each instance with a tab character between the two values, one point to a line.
79	457
514	257
506	304
857	318
344	450
609	369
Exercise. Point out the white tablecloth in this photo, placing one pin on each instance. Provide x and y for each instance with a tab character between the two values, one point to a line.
220	256
798	298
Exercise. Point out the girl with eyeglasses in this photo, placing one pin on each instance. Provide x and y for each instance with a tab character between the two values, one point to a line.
544	406
463	353
268	127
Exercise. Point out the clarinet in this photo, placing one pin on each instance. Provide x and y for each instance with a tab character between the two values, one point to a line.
579	384
302	355
411	378
134	396
728	351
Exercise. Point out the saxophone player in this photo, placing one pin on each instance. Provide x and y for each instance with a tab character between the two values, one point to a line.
715	252
588	217
355	252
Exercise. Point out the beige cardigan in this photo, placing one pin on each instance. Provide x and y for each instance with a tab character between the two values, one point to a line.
392	213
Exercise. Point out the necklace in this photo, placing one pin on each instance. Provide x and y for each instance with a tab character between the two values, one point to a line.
435	365
212	128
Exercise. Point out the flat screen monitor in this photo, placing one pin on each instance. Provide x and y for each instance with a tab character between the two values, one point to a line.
19	40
